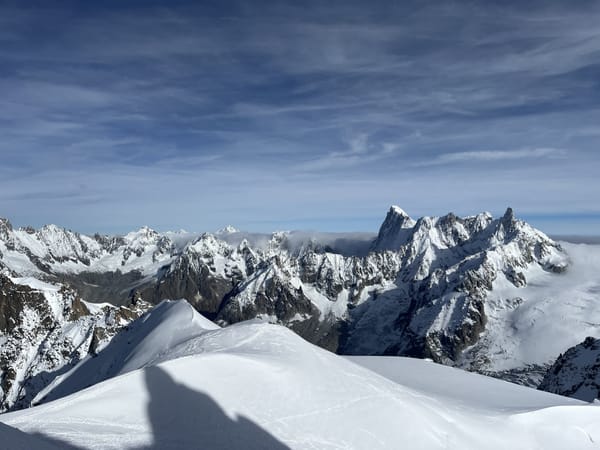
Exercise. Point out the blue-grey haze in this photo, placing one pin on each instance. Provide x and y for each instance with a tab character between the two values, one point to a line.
298	115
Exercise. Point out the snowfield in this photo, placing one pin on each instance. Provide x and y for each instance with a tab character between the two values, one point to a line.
176	381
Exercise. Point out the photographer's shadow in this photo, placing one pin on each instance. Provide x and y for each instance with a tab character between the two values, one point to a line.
193	420
182	418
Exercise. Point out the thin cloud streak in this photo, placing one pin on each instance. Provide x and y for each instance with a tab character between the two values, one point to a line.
495	155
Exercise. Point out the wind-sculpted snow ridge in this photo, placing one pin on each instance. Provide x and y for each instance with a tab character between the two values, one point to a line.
44	330
259	386
469	292
576	373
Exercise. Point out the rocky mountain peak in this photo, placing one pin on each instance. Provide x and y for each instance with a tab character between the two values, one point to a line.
51	228
145	233
28	229
109	243
146	241
509	215
54	235
229	229
141	238
508	220
479	222
5	228
394	230
5	223
398	211
278	242
209	245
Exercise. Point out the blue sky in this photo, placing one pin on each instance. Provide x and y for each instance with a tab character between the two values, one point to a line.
298	115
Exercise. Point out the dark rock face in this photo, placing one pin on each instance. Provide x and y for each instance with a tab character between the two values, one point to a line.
276	299
515	277
109	243
417	311
444	346
75	309
196	283
391	235
529	375
326	333
576	373
99	335
5	229
13	299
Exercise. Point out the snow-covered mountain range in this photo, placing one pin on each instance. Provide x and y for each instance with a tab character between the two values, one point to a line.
175	380
492	295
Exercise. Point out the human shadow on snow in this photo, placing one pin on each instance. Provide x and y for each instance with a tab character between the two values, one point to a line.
194	420
182	418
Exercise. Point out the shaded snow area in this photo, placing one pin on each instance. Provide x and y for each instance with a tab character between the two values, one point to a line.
176	381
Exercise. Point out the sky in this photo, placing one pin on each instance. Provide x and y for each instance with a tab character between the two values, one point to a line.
298	115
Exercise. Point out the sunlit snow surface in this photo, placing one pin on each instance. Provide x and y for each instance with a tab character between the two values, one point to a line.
184	383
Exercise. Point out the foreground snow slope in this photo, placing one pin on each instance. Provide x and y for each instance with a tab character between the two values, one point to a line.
468	389
254	385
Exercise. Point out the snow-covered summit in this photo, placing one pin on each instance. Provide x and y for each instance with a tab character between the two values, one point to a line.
399	211
229	229
393	233
145	235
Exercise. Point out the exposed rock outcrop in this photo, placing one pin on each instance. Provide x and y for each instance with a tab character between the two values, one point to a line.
576	373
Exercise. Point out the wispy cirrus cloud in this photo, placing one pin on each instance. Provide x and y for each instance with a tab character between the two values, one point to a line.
278	110
494	156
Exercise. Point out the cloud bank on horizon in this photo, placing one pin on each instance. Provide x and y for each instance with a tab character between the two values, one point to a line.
273	115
